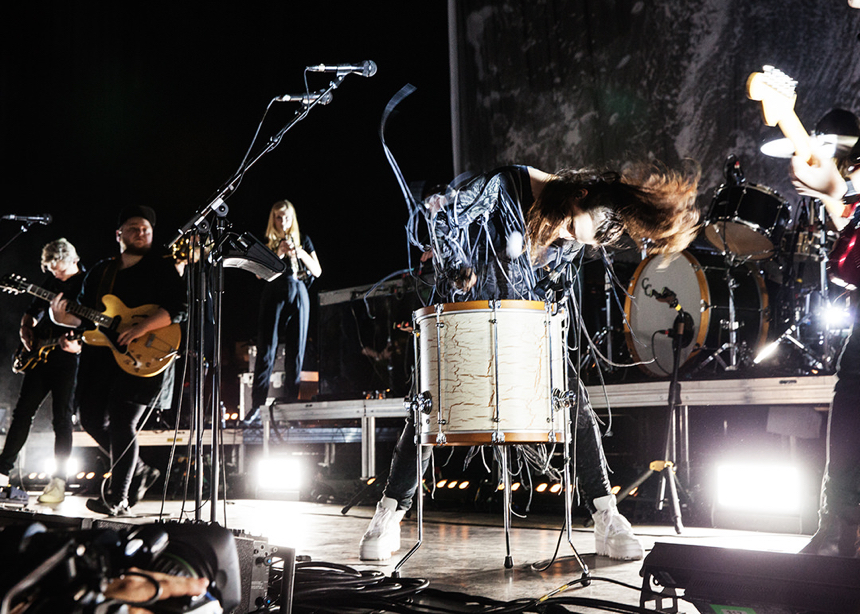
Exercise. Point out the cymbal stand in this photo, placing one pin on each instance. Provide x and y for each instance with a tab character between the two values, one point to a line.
823	360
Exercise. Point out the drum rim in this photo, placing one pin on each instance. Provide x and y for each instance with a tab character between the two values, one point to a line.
471	438
478	306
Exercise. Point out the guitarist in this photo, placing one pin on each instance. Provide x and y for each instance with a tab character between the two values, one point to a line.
53	369
839	514
110	400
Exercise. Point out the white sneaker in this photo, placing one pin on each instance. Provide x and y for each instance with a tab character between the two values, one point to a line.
55	491
613	534
4	480
382	538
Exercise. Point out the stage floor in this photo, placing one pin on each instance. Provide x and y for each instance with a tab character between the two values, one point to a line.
462	552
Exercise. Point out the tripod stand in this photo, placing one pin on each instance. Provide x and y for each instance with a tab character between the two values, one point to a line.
682	336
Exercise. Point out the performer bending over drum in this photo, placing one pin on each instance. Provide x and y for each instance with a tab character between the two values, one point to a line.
485	247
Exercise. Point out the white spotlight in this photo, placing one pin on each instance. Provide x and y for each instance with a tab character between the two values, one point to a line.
761	488
280	475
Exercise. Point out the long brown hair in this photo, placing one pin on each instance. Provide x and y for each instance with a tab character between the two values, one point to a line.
652	205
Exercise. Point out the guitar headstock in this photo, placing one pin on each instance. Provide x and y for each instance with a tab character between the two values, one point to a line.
13	283
775	90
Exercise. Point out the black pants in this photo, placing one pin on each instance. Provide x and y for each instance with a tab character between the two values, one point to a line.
56	375
111	403
283	304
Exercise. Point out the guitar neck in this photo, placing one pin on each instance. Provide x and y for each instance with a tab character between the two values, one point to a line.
73	308
793	129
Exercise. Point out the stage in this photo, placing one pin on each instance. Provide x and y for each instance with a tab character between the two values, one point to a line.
461	552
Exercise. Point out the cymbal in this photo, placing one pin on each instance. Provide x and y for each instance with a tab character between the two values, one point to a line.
824	146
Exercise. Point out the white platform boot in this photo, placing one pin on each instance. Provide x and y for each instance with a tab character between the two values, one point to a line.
613	534
382	538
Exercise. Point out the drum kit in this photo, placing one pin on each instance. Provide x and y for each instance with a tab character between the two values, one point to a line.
754	252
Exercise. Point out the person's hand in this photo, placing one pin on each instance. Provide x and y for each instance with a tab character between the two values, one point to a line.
73	346
820	179
465	279
138	589
131	333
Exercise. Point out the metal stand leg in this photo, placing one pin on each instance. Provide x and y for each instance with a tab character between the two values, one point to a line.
419	494
506	503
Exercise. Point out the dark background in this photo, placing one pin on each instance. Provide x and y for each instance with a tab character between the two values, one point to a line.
104	107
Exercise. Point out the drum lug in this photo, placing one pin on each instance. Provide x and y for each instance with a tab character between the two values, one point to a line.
422	402
551	437
563	400
441	439
498	437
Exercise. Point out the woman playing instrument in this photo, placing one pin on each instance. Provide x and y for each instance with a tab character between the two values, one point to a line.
503	235
284	305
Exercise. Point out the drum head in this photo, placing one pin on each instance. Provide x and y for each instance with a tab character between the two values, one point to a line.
649	320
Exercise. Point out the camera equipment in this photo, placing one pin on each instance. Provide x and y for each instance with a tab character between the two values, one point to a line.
69	571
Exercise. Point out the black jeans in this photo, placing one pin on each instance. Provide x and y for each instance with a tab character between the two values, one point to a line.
841	488
283	304
111	403
56	375
592	469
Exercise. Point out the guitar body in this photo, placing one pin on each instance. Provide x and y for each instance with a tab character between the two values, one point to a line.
25	359
843	266
145	356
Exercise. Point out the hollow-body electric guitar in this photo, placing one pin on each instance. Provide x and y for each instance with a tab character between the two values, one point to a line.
25	359
775	90
146	356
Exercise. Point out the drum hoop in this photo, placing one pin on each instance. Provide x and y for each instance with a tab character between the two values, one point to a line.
478	306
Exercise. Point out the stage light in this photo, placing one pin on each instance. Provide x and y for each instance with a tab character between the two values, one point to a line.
515	486
90	475
281	475
766	352
541	487
464	485
441	483
452	484
80	476
50	466
555	488
767	488
836	317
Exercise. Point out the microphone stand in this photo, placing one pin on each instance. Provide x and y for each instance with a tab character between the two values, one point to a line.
682	336
197	300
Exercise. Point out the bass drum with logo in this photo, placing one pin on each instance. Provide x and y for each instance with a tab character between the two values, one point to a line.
701	286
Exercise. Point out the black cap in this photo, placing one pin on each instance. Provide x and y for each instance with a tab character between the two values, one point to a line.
839	122
147	213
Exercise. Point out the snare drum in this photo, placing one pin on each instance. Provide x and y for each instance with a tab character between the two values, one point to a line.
490	368
747	220
701	286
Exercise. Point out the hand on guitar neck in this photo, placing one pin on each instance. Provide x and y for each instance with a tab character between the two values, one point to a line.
812	175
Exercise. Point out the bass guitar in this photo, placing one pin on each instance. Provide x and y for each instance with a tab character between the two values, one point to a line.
145	356
25	359
776	92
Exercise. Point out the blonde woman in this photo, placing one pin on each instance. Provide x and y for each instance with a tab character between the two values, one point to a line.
284	305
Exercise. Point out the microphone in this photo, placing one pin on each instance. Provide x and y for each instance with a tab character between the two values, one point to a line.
306	99
30	219
732	170
365	69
